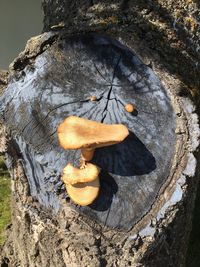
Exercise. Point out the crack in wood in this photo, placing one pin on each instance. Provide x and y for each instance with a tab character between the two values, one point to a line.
109	92
101	73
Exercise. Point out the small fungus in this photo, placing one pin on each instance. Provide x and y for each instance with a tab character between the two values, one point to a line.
93	98
82	183
129	108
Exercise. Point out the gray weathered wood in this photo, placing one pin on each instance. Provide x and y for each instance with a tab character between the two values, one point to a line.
60	84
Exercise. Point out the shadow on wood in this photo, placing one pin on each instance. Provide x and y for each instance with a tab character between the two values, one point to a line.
129	158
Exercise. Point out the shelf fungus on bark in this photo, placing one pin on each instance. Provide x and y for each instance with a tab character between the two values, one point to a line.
82	184
78	133
87	135
72	175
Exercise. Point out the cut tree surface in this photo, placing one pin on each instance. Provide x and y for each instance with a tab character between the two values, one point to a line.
59	84
145	201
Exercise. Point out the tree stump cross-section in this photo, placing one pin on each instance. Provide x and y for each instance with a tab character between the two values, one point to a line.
139	177
60	85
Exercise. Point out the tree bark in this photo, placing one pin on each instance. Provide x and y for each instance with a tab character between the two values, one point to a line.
143	214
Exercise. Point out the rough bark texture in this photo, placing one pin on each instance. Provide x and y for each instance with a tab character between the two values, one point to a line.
165	36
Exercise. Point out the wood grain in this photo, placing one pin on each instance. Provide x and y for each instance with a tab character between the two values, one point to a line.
59	84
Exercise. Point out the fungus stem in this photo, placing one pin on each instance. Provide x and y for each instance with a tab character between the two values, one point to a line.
87	154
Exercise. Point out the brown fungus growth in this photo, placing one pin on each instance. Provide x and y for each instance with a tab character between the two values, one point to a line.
78	133
72	175
82	184
84	194
93	98
129	107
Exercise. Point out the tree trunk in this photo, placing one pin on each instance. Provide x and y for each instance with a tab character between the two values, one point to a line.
121	52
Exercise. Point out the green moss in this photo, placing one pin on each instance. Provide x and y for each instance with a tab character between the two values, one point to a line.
5	192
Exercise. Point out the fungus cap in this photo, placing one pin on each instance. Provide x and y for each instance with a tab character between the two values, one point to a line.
72	175
76	133
129	107
93	98
84	193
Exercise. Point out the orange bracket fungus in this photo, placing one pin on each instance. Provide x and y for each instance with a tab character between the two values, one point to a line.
82	183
